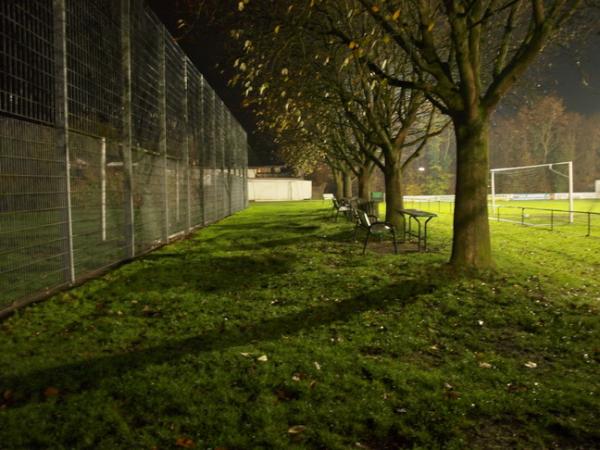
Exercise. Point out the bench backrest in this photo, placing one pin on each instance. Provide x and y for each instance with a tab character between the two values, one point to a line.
364	218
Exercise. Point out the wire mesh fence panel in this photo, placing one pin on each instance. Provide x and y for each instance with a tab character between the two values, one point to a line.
148	164
148	199
208	153
27	59
94	86
176	195
195	131
176	114
32	210
146	40
111	142
97	203
94	108
239	151
218	120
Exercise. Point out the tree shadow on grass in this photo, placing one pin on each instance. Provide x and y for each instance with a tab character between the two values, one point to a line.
87	375
203	272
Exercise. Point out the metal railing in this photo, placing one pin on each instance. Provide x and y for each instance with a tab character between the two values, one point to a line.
111	142
549	218
576	222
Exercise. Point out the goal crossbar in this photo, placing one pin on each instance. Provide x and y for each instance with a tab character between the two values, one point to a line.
549	165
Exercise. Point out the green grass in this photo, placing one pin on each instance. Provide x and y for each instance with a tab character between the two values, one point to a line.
381	351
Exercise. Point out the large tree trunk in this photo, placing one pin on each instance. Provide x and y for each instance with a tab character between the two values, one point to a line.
393	193
471	246
364	183
348	184
339	183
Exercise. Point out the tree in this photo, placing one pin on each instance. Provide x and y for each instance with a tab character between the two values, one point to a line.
468	55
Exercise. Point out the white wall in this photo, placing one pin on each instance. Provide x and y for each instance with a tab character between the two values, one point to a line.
598	187
278	189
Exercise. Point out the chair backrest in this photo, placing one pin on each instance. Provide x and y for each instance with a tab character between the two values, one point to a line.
364	218
336	204
327	196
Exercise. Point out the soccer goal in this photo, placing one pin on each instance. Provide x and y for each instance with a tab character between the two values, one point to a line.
542	182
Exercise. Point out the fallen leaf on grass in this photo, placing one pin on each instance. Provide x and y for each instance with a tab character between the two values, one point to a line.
485	365
530	365
317	366
452	395
262	358
51	392
185	443
296	429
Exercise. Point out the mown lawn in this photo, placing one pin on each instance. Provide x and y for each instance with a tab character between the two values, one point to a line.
271	330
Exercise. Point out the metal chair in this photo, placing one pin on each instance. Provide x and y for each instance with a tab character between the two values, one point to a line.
372	225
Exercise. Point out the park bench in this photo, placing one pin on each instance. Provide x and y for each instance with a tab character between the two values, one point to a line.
416	216
372	225
341	206
327	196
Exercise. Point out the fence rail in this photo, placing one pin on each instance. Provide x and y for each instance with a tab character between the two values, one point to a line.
586	222
580	223
111	142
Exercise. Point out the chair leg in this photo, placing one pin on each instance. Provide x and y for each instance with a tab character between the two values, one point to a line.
366	241
355	232
337	214
395	243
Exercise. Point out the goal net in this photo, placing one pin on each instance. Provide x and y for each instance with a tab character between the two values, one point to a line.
527	194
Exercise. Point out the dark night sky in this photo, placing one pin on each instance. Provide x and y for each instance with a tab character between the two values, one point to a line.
559	73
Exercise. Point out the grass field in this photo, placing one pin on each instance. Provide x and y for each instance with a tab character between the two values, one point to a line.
271	330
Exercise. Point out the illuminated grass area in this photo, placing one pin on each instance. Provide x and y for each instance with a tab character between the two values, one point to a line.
271	330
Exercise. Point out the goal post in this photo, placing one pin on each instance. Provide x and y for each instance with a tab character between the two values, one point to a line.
550	167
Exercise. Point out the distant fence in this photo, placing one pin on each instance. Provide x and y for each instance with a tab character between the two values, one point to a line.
575	222
111	142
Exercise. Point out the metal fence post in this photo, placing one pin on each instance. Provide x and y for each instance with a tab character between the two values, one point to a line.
126	134
200	149
186	147
62	125
103	186
162	144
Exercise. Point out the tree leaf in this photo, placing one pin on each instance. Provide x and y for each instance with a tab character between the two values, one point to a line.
296	429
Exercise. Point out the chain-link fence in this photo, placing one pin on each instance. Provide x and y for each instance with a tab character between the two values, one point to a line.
111	142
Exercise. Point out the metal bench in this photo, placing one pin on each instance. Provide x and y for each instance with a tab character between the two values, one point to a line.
341	206
372	226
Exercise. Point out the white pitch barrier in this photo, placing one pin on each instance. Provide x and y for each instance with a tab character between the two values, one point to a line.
278	189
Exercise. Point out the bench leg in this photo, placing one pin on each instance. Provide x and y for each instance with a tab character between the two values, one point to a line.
395	242
366	241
